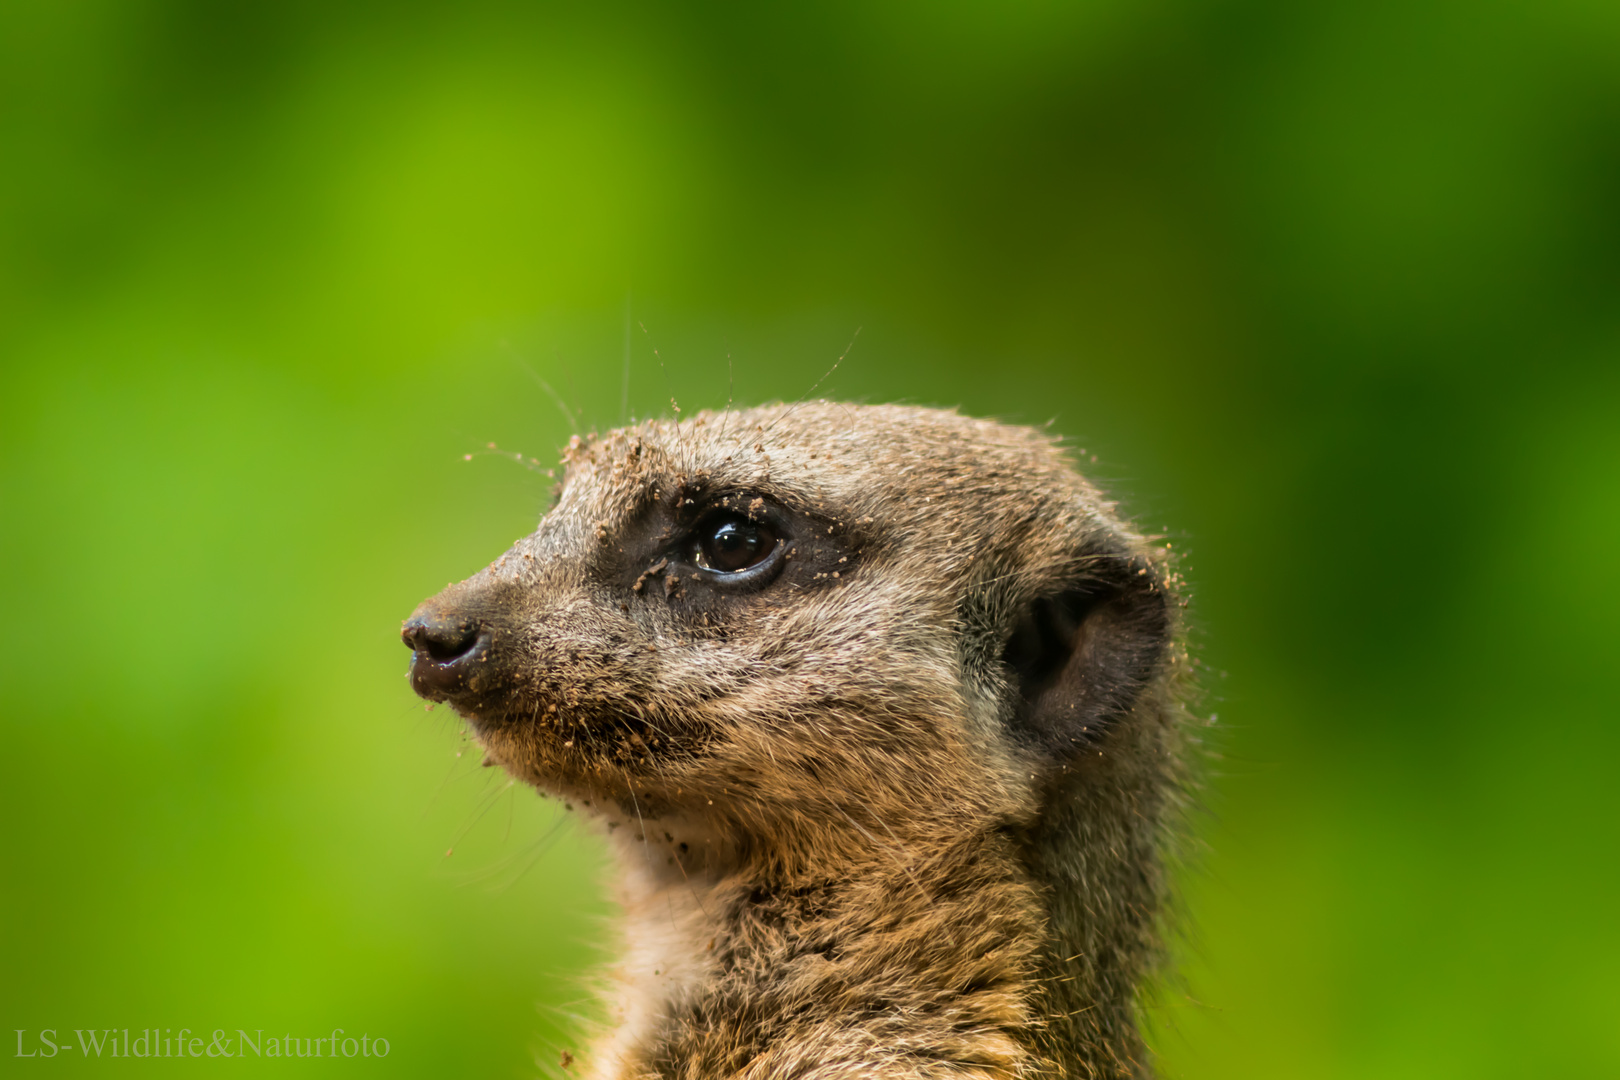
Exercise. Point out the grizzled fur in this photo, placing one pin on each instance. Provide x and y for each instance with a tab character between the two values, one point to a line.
901	810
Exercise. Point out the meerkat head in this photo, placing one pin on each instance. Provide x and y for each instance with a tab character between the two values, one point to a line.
804	623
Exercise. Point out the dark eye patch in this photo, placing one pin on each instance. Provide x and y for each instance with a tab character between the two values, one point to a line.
702	551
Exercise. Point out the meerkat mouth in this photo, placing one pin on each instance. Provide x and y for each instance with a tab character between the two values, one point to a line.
578	742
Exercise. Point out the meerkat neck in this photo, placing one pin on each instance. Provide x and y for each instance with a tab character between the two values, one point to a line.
924	961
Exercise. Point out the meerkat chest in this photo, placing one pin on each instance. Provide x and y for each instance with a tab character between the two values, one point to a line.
664	891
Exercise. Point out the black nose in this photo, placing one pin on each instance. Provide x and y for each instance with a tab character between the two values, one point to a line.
447	649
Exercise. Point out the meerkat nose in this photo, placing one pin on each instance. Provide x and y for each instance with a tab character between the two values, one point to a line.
445	648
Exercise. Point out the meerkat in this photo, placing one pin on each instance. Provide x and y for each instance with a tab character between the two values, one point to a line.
881	709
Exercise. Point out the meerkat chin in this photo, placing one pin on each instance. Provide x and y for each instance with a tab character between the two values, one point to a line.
879	707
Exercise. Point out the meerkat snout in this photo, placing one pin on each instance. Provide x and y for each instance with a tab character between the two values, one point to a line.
885	702
445	652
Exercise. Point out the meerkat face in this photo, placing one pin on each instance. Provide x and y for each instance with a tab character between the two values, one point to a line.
774	615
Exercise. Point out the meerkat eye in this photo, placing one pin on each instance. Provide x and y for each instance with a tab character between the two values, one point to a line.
730	544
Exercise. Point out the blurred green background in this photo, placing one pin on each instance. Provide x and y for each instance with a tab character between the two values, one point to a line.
1332	291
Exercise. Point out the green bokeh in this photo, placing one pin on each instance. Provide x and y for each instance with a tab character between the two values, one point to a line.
1331	291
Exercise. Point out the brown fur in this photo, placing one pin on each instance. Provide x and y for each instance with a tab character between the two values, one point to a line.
902	811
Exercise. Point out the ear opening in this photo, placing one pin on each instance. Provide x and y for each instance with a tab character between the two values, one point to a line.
1080	657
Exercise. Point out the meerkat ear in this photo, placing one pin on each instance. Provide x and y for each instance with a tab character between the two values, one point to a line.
1081	657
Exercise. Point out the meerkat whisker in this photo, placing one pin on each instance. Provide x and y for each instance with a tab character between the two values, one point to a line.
556	398
485	804
825	375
